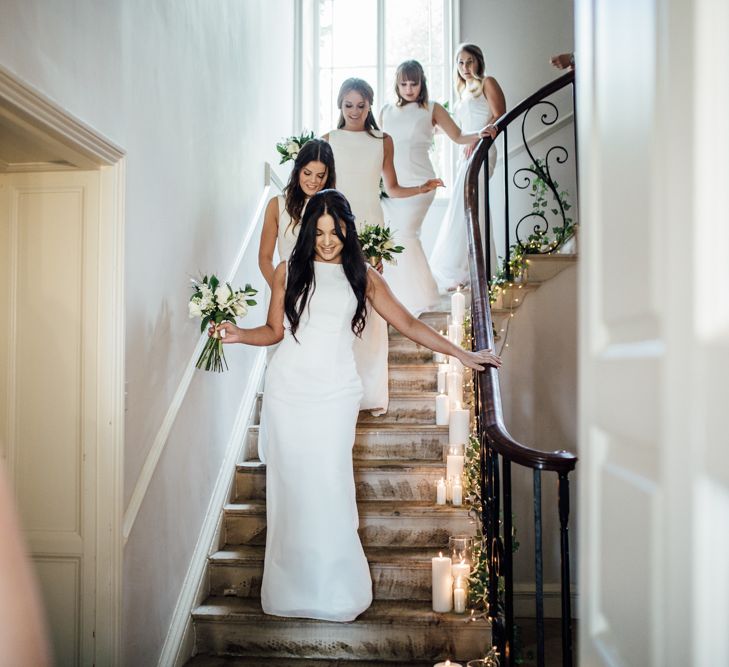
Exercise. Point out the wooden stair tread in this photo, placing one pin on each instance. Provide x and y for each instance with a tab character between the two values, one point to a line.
233	554
370	508
409	612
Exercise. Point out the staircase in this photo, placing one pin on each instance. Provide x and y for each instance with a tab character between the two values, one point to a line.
397	459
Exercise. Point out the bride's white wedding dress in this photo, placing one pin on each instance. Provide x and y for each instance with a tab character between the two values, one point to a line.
449	257
315	566
358	157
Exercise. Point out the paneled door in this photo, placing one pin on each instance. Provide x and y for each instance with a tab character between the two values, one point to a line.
49	225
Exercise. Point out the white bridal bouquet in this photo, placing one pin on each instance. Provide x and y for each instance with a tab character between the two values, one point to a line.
289	148
378	244
217	302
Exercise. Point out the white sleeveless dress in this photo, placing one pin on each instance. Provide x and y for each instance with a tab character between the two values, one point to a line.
411	129
358	158
449	257
287	233
314	566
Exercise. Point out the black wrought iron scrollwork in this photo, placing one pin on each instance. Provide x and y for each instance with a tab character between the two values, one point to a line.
535	240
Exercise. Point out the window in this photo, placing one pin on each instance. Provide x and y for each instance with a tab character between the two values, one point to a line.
369	39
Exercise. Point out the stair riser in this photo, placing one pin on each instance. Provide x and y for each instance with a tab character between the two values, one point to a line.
419	379
371	484
409	355
375	531
385	444
391	582
418	410
344	641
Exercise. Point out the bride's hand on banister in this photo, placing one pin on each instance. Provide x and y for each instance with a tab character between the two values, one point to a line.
478	360
228	332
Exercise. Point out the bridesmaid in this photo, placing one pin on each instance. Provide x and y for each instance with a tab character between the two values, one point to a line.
411	122
364	155
481	103
313	171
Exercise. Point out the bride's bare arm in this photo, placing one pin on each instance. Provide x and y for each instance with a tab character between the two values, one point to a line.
385	303
270	333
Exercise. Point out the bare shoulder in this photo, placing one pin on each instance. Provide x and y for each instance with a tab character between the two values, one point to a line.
272	207
490	84
325	136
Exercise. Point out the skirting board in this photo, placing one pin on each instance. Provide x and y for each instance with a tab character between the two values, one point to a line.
178	644
525	601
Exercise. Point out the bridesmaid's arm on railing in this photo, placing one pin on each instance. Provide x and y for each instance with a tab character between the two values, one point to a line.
270	333
443	120
390	309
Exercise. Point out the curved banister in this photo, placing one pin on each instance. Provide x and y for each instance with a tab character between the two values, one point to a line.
491	417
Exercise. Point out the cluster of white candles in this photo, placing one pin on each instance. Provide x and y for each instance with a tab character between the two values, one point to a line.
450	411
451	575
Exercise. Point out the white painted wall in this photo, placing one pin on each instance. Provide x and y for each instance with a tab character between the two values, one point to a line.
197	94
539	394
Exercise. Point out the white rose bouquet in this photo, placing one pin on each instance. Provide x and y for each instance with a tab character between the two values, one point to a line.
289	148
217	302
378	244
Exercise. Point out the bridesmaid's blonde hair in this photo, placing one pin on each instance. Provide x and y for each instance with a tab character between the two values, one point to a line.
411	70
475	88
363	88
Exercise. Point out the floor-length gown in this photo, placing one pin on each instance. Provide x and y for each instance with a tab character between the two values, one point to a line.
314	566
449	257
411	129
358	157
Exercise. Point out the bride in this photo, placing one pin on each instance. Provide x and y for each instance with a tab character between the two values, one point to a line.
315	566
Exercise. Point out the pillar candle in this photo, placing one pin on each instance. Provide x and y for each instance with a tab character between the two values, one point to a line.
461	571
454	462
447	663
459	425
442	381
449	489
442	409
455	333
440	492
455	365
456	492
458	306
459	598
442	584
439	357
455	388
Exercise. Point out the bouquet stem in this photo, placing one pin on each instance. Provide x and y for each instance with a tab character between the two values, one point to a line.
212	357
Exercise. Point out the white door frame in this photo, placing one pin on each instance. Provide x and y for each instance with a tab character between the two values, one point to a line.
84	148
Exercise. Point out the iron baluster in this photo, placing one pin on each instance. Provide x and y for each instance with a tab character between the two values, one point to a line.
564	514
538	565
508	566
490	270
507	219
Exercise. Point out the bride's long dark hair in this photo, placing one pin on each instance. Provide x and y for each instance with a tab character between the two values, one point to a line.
301	281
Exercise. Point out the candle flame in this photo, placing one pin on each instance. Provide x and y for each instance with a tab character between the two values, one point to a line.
440	555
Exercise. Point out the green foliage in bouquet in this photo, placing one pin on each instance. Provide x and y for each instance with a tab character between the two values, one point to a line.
289	148
215	302
378	244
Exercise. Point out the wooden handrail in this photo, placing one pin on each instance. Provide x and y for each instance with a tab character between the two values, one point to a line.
491	417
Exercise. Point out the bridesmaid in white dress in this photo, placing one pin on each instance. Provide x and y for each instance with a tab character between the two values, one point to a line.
411	122
363	155
313	171
314	565
481	103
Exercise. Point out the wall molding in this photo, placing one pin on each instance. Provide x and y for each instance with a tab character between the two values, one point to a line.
525	596
179	636
42	116
271	181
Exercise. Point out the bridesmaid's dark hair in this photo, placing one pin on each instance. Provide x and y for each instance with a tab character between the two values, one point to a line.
411	70
301	281
314	150
363	88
